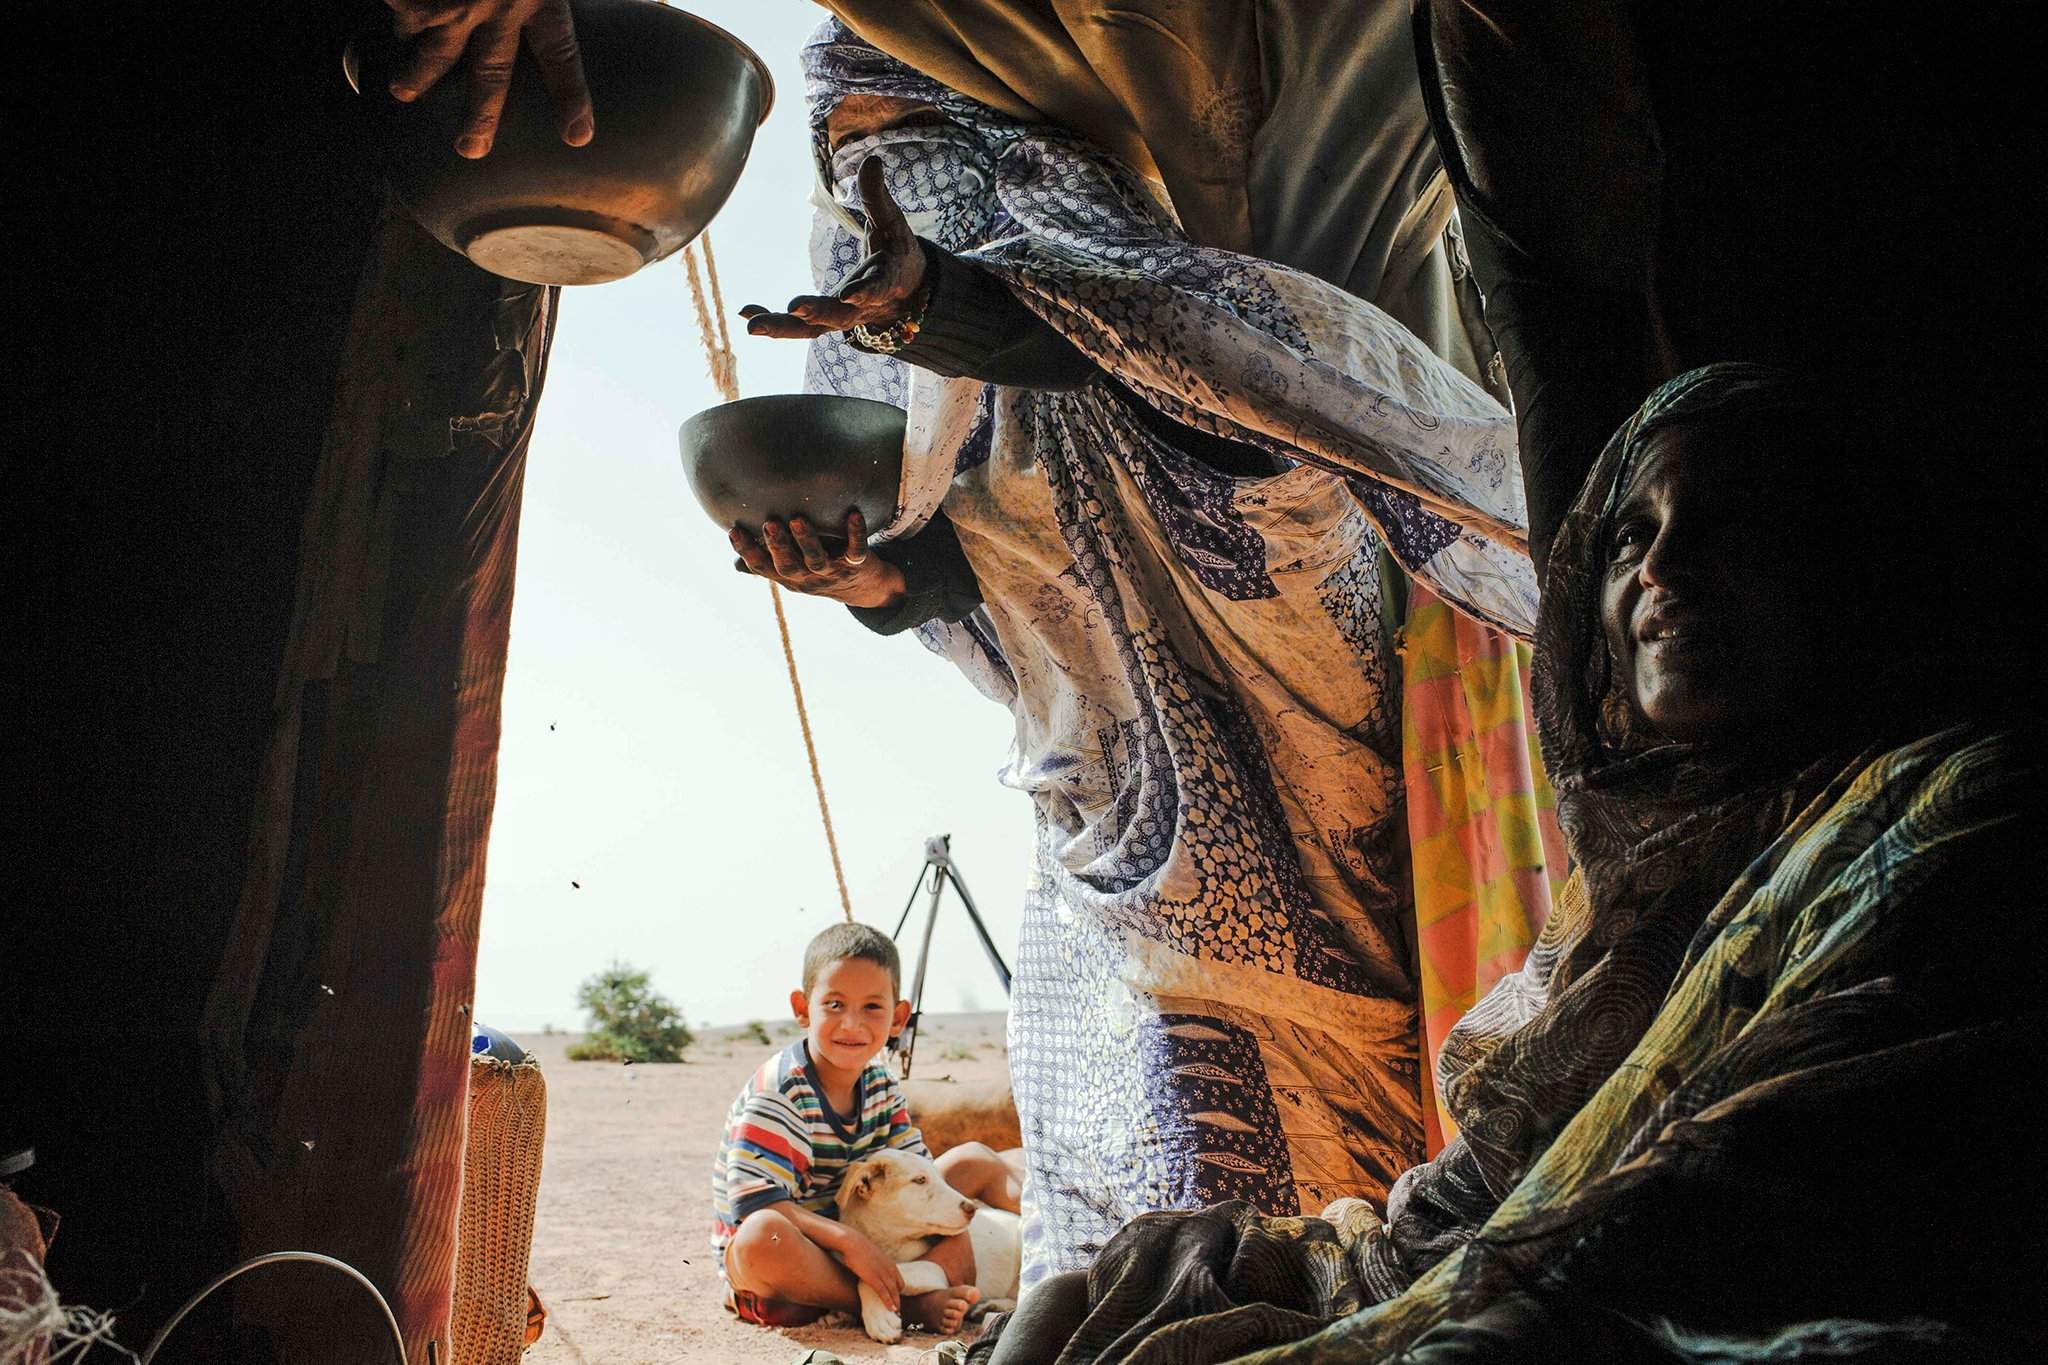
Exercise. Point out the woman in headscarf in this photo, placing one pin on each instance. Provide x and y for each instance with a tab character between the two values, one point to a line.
1754	1095
1148	516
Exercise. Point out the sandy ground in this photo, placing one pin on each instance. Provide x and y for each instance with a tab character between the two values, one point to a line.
620	1255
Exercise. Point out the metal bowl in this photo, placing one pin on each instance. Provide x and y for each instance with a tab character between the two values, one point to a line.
811	454
677	102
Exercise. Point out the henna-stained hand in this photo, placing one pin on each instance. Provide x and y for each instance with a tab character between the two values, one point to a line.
791	555
882	289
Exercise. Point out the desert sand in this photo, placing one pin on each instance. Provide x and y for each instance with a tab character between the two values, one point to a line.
620	1255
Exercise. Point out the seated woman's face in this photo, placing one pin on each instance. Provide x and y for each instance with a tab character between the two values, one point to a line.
1718	603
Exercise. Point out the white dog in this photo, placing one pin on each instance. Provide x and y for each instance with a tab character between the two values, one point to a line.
903	1205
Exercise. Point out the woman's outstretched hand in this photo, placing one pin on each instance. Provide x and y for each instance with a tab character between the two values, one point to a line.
792	556
882	289
489	31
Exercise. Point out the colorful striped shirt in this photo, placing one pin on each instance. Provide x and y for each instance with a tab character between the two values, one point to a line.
783	1141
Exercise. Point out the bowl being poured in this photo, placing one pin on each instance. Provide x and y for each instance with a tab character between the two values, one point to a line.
677	101
814	455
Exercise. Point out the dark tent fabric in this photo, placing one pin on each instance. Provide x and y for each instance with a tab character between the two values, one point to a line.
1646	189
338	1033
206	204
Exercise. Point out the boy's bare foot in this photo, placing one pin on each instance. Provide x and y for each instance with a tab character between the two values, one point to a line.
941	1310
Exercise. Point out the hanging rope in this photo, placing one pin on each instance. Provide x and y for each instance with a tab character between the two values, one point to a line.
725	375
725	367
803	719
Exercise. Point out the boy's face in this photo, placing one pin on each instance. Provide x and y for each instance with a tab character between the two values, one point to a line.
850	1012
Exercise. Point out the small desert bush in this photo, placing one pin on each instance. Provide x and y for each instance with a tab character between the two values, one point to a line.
757	1033
629	1021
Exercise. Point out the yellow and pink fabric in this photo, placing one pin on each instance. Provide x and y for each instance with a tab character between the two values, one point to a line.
1482	820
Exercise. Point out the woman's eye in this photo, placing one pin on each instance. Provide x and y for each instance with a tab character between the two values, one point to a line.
1628	540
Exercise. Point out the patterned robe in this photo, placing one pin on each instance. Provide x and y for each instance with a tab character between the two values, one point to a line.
1215	993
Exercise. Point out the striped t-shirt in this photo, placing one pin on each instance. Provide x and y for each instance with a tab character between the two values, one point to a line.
783	1141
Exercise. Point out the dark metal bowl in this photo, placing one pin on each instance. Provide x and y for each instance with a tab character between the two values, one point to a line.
677	102
814	454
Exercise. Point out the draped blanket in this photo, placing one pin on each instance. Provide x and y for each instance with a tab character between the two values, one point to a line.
1791	1153
1215	996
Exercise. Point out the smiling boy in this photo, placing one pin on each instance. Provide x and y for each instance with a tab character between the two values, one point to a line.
808	1113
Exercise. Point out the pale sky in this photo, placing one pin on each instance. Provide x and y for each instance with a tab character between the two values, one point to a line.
650	749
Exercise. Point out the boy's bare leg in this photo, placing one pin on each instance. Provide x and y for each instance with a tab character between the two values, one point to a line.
979	1172
771	1257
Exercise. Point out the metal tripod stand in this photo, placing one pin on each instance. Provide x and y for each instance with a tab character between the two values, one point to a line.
938	871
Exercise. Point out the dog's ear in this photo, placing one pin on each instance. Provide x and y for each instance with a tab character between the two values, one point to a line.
861	1184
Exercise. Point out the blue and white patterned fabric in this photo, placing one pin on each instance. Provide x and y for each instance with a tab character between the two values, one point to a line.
1214	995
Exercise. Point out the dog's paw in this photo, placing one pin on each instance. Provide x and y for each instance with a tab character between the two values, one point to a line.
879	1322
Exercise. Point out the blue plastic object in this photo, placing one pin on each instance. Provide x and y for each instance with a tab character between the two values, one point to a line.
489	1042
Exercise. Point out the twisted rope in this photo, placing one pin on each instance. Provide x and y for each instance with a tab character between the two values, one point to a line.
725	376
